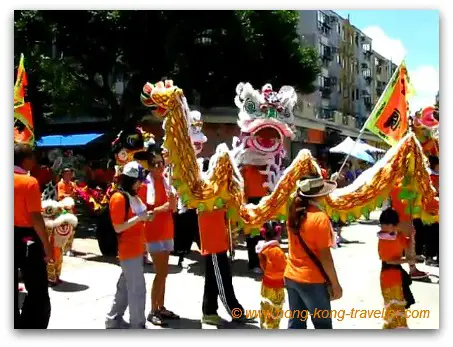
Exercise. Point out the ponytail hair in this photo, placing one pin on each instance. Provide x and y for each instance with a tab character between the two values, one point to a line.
297	213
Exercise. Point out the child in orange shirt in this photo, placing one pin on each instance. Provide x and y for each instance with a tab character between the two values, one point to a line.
395	281
273	263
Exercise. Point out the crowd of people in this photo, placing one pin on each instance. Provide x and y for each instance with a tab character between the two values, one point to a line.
144	211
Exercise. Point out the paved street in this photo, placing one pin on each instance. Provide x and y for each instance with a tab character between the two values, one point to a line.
90	283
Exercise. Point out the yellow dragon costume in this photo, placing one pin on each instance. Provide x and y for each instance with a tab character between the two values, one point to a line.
222	186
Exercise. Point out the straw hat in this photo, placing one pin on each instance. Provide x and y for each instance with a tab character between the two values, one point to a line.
315	187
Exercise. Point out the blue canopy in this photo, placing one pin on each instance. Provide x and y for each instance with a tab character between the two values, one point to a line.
67	140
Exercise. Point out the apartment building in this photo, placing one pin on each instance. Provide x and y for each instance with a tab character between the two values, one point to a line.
347	82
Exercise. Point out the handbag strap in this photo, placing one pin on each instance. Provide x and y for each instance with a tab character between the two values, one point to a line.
313	258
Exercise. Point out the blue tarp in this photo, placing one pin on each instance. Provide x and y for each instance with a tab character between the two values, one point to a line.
67	140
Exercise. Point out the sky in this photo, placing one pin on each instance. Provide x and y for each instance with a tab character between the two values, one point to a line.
409	34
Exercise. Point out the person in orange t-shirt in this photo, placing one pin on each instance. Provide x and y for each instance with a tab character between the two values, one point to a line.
159	233
214	244
66	188
131	289
273	263
394	280
254	190
32	249
310	276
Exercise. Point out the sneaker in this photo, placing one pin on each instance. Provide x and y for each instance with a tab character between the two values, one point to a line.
243	320
211	319
116	323
416	274
156	318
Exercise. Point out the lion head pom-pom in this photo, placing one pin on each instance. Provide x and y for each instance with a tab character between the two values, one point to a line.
145	96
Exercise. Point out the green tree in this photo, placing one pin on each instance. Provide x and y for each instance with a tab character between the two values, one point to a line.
75	58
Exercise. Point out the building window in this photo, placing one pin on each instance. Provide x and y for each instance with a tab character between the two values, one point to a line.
338	59
357	94
366	73
366	47
376	61
321	17
325	52
357	40
324	81
339	87
353	95
339	28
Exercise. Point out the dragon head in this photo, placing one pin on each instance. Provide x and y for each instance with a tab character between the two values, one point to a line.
266	116
161	97
132	145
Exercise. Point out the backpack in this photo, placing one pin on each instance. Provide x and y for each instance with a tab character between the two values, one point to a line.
105	233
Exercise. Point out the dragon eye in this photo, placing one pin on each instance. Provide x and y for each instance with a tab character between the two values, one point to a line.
280	109
249	106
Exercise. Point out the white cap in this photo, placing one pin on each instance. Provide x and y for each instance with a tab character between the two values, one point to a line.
134	170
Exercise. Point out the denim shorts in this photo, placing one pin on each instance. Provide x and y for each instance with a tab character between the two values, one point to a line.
160	246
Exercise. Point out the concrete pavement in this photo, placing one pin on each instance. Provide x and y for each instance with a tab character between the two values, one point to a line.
90	283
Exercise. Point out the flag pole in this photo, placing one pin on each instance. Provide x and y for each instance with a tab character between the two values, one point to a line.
366	122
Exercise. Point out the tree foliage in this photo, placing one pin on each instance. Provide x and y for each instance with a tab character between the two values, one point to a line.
75	58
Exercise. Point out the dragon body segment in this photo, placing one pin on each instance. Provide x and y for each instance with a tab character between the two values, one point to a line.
222	186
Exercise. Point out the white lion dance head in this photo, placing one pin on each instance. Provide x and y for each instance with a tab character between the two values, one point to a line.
60	223
195	132
266	118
